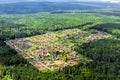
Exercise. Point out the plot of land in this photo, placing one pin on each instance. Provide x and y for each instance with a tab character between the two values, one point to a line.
54	50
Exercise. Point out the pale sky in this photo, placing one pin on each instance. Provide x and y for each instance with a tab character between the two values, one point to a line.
13	1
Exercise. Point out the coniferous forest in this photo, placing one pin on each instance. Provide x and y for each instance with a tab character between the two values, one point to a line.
80	27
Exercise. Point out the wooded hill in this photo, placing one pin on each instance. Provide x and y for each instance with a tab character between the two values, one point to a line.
36	7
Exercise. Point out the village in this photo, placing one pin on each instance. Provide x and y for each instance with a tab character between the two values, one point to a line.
53	50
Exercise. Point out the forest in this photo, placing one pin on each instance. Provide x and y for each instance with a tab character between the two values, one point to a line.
35	7
104	53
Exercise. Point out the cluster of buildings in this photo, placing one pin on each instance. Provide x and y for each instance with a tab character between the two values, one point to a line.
47	50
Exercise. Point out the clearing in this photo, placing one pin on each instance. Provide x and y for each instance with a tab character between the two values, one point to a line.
55	50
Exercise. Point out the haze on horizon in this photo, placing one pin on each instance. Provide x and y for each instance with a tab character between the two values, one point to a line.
14	1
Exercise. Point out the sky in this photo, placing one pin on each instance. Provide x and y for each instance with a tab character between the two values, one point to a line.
14	1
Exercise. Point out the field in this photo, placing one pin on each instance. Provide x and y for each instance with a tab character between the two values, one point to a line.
60	45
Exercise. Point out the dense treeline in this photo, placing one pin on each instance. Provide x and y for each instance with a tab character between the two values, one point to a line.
17	26
112	28
29	73
105	54
19	31
29	25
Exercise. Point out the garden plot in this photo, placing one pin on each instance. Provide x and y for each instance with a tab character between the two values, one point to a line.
55	50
